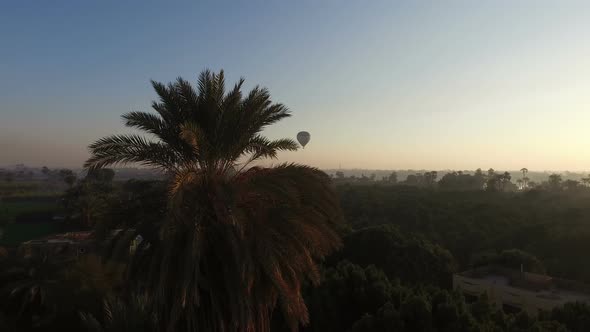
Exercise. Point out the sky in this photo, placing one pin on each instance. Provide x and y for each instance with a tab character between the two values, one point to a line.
378	84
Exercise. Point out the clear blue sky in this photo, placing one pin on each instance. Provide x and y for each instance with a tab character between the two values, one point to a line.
379	84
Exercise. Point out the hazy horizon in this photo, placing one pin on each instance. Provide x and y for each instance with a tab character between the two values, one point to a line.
516	173
380	85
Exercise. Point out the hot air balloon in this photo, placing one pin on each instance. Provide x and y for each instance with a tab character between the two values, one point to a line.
303	138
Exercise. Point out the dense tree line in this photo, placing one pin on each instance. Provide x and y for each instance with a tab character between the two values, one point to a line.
550	225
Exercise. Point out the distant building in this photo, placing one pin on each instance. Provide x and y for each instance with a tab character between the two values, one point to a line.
66	245
72	245
514	291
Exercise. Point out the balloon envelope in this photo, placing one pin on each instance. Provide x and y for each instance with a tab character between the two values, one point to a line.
303	138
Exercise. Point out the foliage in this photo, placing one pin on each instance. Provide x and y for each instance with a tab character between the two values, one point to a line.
352	298
247	237
89	201
514	259
575	316
551	226
462	181
347	292
135	316
554	182
101	175
387	318
67	176
410	258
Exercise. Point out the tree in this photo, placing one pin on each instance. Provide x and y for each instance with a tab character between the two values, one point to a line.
347	292
482	309
505	180
493	183
554	181
571	185
479	172
575	316
412	180
393	178
548	326
238	240
430	178
524	171
491	173
499	182
386	319
389	249
34	291
479	178
514	259
461	181
416	314
340	175
104	175
87	202
67	176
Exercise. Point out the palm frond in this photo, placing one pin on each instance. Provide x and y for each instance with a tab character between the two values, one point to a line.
261	147
122	149
167	107
148	122
292	216
90	322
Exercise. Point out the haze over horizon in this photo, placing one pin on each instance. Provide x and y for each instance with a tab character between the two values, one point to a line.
379	85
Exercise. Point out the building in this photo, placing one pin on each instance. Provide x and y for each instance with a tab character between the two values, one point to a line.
66	245
514	290
72	245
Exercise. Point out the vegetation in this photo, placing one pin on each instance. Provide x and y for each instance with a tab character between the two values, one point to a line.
248	237
550	225
218	244
400	247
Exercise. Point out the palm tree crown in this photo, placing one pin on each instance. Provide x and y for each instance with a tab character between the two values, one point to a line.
238	241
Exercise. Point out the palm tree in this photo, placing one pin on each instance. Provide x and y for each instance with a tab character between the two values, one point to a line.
238	239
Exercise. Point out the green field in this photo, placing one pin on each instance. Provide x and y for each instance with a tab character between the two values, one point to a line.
38	210
17	233
9	211
29	189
